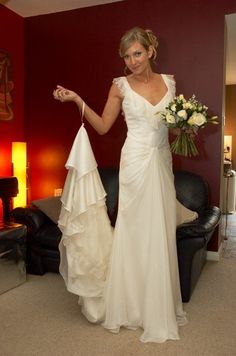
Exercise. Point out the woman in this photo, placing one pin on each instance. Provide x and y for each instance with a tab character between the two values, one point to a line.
142	285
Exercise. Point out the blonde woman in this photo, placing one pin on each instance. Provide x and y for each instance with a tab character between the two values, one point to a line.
142	287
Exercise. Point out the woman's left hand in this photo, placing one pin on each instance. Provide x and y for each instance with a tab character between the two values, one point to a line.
177	131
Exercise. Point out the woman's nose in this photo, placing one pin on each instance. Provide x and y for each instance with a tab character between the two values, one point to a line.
132	60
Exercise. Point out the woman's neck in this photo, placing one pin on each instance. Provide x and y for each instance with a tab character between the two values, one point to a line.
144	77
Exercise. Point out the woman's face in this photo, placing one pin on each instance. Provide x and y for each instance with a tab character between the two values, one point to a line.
137	58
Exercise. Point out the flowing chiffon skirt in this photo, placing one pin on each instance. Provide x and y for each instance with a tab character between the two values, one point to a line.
142	288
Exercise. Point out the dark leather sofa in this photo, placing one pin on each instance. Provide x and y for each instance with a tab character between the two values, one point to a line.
192	238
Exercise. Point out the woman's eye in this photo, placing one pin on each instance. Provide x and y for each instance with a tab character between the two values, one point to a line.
138	54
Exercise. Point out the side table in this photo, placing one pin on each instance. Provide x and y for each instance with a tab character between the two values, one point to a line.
12	255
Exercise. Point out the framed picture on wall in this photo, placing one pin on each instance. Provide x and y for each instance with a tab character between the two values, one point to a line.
6	86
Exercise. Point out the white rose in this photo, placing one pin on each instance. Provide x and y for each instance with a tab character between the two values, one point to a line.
173	107
197	119
187	105
181	97
183	114
170	118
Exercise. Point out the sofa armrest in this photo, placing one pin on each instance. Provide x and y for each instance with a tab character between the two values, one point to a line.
32	217
207	221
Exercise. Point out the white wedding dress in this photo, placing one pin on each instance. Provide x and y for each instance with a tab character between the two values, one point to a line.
139	288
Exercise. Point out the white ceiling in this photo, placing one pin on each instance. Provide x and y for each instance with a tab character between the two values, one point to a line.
27	8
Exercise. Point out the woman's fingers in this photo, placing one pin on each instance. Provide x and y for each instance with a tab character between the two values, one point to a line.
63	94
60	92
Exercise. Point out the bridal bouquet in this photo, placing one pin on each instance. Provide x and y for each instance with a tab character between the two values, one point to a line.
187	116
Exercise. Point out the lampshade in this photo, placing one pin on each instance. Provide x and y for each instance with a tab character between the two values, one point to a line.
228	147
19	162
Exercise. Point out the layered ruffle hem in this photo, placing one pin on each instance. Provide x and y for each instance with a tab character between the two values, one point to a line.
86	241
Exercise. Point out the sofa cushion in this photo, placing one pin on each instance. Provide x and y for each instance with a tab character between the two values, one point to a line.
184	215
50	206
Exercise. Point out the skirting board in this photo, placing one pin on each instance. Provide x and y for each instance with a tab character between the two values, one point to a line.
215	255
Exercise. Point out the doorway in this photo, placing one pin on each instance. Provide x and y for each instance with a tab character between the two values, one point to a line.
229	130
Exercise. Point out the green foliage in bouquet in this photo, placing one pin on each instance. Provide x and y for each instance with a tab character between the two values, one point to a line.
187	116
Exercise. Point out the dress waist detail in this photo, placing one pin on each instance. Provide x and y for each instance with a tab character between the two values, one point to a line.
151	141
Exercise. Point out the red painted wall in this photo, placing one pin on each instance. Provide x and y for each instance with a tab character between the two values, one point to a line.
12	41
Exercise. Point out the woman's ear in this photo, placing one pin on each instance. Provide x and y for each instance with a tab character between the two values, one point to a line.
150	51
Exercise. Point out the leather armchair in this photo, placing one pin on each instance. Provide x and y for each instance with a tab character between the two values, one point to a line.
192	238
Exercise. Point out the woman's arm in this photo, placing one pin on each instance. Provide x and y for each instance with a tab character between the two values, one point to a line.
102	123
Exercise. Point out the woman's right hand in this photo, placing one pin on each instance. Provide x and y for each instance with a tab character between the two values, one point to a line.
63	94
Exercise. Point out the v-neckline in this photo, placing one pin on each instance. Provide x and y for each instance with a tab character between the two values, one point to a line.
153	105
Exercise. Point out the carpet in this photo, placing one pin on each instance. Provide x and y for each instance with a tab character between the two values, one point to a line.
228	231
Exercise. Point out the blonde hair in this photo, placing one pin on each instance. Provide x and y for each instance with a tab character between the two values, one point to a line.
145	37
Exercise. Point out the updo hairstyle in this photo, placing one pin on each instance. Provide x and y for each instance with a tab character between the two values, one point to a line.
145	37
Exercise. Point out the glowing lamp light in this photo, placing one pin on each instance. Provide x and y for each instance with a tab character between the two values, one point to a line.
19	170
228	147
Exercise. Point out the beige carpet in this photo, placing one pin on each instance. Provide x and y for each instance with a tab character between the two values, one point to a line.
228	231
41	318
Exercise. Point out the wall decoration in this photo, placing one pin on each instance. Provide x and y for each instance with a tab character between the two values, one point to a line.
6	86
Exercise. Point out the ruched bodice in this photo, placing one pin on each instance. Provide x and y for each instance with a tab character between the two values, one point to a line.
143	123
